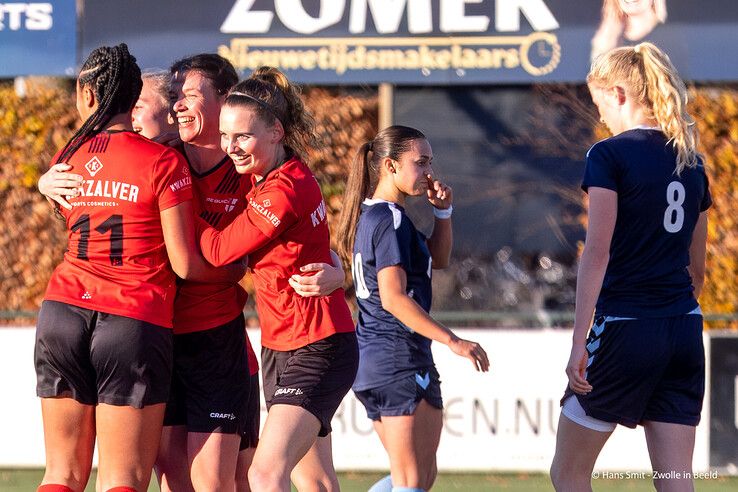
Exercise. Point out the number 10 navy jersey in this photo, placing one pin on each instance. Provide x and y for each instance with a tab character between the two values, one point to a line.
657	213
389	350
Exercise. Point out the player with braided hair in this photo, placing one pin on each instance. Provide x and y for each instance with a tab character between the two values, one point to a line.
103	352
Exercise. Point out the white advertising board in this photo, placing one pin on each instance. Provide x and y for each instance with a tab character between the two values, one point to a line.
502	420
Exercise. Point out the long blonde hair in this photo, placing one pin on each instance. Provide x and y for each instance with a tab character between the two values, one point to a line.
648	75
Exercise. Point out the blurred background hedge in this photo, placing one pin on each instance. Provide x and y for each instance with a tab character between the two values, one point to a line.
34	127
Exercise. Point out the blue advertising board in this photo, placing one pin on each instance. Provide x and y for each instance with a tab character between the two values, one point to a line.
38	38
438	42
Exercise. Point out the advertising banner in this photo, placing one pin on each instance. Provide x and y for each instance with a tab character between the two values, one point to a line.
420	41
38	38
502	420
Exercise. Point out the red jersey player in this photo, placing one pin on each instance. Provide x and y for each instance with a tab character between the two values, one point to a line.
104	344
310	353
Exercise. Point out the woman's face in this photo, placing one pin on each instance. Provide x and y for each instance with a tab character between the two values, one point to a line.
151	115
197	106
248	140
413	167
635	7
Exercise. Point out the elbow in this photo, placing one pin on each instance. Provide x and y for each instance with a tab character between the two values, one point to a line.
183	269
441	263
388	303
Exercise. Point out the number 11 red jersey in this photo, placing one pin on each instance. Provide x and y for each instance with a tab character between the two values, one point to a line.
116	261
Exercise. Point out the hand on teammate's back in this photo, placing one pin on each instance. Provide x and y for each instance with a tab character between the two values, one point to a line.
318	279
58	185
472	351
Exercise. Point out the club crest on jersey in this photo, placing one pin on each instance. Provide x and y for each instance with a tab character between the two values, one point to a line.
267	202
93	166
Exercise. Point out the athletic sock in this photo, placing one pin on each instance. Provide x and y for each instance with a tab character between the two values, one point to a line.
407	489
53	487
383	485
123	488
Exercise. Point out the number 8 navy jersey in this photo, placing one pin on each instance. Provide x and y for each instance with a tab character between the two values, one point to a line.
389	351
657	212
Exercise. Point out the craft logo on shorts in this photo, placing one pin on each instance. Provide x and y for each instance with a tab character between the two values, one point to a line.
447	39
288	391
227	416
93	166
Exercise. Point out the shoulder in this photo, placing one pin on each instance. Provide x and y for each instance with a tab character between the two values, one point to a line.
383	215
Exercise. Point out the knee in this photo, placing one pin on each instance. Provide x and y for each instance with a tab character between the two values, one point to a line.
322	482
567	477
263	477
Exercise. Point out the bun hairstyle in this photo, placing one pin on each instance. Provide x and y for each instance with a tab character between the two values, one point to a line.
648	75
391	142
115	79
273	97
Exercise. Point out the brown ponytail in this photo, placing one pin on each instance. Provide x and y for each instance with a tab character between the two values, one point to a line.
391	142
270	93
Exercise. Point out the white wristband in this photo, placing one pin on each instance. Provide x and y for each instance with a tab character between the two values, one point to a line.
443	213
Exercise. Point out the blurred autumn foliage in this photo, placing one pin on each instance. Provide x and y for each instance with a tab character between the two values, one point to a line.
34	127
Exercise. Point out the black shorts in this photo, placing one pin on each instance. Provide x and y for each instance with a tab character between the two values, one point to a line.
210	384
250	432
401	397
96	357
315	377
645	369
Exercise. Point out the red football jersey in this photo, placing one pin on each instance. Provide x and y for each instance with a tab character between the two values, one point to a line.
219	197
283	227
116	261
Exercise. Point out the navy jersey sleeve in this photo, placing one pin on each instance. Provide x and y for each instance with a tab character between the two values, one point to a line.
601	170
391	245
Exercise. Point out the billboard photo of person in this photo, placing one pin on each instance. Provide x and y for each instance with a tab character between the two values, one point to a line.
625	21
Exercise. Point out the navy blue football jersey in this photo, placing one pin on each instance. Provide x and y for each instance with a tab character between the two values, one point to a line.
389	350
657	212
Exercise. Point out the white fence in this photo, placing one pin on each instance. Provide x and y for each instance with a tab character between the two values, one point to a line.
503	420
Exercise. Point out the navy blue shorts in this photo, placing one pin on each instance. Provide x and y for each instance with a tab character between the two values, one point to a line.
210	384
645	370
401	397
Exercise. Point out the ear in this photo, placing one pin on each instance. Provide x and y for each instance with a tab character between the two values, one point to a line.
277	131
389	165
619	95
88	97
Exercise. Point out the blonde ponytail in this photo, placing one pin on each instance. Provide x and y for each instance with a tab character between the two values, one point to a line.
668	96
648	75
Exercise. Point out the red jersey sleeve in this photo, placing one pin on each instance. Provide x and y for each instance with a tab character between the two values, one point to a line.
171	179
270	211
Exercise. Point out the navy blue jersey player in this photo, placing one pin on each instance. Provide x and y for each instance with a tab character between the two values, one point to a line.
391	263
640	275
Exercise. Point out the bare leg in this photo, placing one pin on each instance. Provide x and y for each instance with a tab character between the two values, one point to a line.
315	472
245	458
288	434
212	459
69	438
577	448
411	442
172	466
670	447
128	442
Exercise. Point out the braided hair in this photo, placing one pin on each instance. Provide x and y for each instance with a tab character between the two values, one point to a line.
115	78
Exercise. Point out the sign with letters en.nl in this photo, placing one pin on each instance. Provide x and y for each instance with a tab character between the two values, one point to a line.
38	38
414	42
